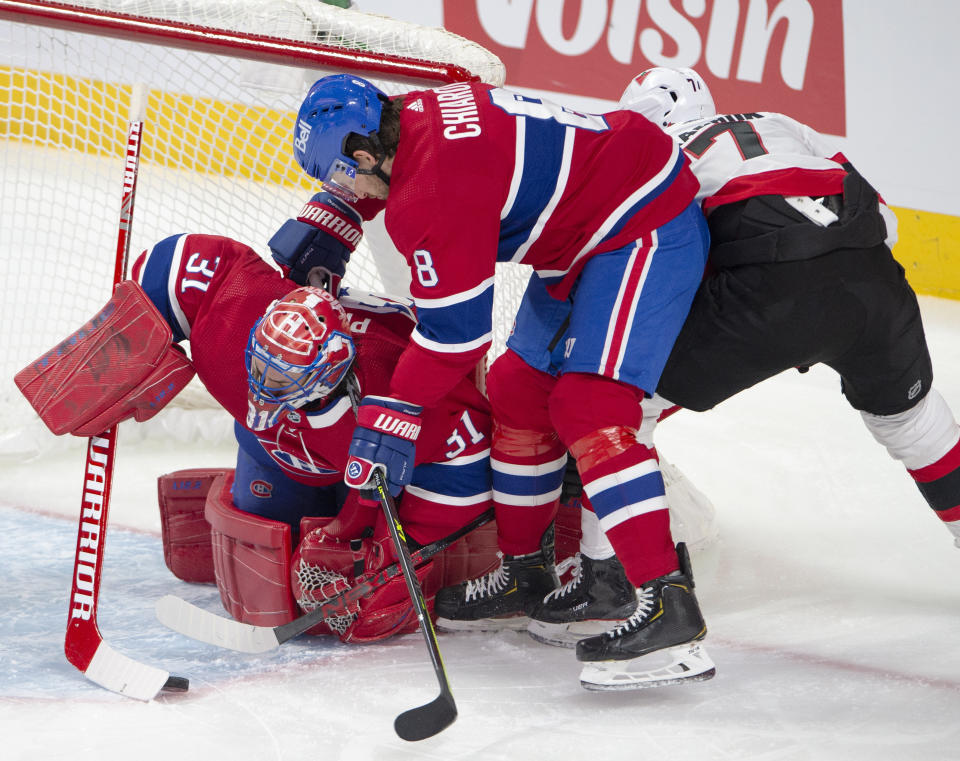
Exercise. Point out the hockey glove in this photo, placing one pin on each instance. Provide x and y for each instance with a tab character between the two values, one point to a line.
385	438
318	242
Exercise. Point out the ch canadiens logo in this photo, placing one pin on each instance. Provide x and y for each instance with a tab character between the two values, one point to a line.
261	489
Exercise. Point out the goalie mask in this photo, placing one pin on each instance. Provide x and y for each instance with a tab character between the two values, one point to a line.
333	109
669	96
298	352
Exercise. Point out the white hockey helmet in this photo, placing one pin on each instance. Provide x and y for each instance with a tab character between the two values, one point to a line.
669	96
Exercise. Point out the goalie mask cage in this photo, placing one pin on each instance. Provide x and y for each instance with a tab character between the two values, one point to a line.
222	82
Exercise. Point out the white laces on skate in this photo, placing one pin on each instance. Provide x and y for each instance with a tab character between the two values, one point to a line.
574	562
489	584
645	605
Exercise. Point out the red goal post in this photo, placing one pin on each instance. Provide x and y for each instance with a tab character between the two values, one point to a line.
223	80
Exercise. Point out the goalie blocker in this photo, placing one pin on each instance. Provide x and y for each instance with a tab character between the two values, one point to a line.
120	365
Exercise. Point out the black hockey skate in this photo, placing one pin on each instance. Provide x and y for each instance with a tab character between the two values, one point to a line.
503	598
658	645
598	595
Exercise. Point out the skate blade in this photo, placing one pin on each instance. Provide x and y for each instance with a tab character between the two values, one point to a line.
508	623
567	635
675	665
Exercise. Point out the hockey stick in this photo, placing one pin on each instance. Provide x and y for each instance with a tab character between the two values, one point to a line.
204	626
83	644
434	717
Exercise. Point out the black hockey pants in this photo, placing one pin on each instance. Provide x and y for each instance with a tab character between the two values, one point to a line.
783	292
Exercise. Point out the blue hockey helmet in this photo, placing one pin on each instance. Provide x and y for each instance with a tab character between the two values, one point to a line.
335	107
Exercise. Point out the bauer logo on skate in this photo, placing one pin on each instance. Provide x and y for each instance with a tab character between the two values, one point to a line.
88	542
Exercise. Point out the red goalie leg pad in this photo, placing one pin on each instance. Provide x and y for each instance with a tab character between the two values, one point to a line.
116	366
187	549
251	557
468	558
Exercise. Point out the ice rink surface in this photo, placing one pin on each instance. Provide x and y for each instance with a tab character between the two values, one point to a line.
831	596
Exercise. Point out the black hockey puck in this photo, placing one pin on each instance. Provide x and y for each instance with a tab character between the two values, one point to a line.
176	684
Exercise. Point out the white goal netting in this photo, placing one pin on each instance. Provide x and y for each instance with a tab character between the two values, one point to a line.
216	152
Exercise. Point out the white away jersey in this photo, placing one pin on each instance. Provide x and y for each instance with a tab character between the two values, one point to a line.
737	156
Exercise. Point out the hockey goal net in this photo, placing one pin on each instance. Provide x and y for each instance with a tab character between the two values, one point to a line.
222	81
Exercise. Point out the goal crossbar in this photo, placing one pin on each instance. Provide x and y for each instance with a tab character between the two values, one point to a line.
172	33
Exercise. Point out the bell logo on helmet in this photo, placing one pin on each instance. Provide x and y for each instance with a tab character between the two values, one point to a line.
302	136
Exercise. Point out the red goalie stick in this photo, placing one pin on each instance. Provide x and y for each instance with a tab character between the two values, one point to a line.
84	646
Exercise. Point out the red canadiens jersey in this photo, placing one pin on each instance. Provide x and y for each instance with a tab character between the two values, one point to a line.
486	175
738	156
212	290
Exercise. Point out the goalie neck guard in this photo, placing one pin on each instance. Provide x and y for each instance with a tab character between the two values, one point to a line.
298	352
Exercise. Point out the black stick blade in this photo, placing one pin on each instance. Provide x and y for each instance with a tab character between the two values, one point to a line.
426	720
176	684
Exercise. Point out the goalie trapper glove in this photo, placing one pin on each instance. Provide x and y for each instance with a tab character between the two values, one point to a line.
327	563
318	242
